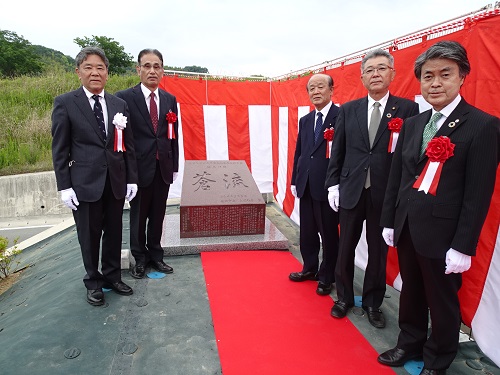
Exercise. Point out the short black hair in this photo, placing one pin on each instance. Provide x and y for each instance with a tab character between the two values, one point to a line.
87	51
446	49
150	50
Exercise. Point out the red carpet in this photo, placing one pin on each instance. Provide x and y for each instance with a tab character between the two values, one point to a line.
266	324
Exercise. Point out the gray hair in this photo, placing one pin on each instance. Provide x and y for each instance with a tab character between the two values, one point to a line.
147	51
87	51
446	49
376	53
329	79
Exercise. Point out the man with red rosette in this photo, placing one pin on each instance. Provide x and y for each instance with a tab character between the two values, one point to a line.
440	186
365	132
312	152
153	115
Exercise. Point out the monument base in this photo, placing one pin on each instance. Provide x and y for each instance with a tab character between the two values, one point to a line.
172	244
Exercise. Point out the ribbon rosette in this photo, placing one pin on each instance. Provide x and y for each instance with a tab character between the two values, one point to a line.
171	119
120	123
328	135
395	127
438	150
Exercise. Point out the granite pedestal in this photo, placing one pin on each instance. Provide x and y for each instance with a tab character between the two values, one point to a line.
172	244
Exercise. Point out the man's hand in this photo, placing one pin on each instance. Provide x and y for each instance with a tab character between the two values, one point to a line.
176	174
334	197
293	189
457	262
68	196
131	191
388	234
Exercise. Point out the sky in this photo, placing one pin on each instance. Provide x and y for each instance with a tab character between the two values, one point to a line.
231	37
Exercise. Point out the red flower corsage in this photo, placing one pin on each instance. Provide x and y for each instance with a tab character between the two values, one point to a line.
171	119
438	150
395	127
328	135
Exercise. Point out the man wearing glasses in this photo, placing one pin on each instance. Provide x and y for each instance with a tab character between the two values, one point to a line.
357	177
157	150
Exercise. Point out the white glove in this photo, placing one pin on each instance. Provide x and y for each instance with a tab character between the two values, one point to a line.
293	189
68	196
131	191
334	197
176	174
457	262
388	234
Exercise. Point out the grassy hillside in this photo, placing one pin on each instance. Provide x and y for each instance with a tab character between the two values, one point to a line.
25	110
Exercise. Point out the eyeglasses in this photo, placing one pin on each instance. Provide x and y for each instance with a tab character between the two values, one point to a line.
149	66
381	69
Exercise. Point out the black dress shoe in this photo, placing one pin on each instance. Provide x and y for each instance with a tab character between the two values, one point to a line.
324	289
375	317
303	276
161	266
138	271
95	297
396	357
120	287
340	309
426	371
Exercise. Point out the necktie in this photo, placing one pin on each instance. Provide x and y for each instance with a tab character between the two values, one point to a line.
372	132
429	131
153	112
319	127
99	115
374	122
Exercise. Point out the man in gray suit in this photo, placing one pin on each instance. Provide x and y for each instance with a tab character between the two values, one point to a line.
356	180
94	163
440	186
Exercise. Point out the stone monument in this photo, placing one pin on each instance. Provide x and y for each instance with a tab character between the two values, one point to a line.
220	198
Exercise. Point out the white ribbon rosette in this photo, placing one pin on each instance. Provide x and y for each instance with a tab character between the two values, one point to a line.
120	123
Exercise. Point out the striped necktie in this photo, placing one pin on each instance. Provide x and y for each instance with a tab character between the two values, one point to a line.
429	131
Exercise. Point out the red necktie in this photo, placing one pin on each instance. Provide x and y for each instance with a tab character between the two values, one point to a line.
153	112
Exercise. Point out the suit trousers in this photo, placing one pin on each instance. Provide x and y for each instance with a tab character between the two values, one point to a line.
351	227
318	217
96	219
147	212
426	287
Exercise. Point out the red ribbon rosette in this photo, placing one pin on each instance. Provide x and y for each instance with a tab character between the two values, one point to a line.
328	135
171	119
395	127
438	150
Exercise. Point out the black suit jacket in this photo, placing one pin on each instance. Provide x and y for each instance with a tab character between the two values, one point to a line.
310	161
82	158
454	216
352	155
146	141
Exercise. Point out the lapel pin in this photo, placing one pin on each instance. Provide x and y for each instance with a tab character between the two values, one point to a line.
393	108
451	124
389	115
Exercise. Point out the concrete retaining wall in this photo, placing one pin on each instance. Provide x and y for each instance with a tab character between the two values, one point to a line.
31	194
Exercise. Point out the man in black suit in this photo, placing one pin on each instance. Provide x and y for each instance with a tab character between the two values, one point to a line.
153	114
356	180
94	173
308	177
436	226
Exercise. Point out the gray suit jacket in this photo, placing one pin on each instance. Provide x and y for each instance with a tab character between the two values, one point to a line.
82	158
352	154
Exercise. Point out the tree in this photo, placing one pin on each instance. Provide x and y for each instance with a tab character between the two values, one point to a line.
17	56
119	60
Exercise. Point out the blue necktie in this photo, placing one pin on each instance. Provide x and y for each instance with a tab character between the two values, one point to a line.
319	127
99	115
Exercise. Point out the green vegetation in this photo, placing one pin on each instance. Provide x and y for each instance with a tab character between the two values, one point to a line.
7	258
25	110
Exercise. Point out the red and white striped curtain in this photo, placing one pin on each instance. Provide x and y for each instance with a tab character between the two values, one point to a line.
257	122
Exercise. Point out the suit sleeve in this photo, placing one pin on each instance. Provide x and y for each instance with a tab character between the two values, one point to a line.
298	152
175	142
480	175
393	183
337	152
61	143
129	155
